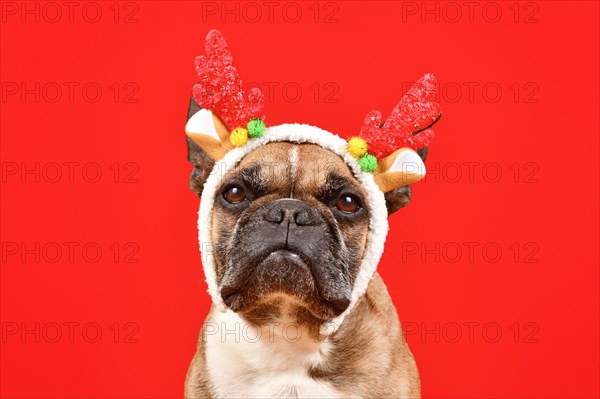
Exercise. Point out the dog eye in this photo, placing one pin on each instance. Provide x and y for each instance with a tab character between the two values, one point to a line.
234	194
348	203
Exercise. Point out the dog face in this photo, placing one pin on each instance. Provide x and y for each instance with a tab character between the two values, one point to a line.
291	224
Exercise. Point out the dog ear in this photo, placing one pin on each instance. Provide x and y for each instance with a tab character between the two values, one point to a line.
207	142
396	172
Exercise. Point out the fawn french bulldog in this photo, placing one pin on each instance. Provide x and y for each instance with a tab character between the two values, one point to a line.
292	224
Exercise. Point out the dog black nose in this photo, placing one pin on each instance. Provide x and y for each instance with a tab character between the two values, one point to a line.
285	211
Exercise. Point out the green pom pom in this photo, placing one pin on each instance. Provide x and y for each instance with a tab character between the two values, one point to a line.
368	163
256	128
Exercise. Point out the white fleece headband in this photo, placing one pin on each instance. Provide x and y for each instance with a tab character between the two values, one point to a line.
297	133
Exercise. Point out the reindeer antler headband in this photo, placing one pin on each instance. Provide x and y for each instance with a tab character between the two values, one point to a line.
238	115
382	157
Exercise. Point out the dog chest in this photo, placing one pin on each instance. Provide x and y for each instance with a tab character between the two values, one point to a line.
268	362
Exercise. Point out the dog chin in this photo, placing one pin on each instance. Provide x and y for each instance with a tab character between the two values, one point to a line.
283	277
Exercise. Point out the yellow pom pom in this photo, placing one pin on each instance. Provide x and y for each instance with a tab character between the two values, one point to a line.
239	136
357	147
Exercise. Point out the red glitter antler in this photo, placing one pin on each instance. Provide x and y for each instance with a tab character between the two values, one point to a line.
409	123
219	88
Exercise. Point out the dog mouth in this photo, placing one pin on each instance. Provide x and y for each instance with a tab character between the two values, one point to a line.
291	256
286	271
230	293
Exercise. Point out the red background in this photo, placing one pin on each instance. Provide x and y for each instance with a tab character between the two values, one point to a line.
514	168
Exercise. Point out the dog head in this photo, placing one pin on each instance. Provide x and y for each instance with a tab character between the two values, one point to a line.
291	221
